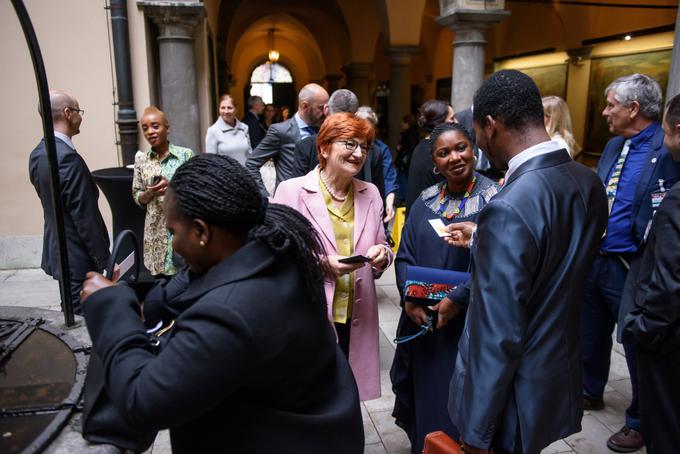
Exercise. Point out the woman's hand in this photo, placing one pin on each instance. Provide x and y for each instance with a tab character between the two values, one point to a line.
446	310
93	284
389	207
378	256
338	269
416	313
153	191
460	233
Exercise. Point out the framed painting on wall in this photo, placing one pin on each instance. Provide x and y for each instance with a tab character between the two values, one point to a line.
551	80
604	71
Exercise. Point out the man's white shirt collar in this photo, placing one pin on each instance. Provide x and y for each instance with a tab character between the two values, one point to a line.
65	138
301	126
530	153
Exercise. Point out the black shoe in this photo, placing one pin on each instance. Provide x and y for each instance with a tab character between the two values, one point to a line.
593	404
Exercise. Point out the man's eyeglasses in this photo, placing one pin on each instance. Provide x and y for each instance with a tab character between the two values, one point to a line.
73	109
351	145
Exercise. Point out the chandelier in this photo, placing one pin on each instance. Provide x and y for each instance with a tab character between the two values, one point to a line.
273	53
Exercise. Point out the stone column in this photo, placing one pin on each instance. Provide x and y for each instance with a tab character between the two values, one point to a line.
469	44
674	74
359	77
399	101
332	82
179	96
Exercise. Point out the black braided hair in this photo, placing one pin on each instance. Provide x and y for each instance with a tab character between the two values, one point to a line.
446	127
221	192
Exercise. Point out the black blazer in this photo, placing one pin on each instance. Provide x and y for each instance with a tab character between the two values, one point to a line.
242	372
87	240
306	159
277	144
519	364
256	130
655	319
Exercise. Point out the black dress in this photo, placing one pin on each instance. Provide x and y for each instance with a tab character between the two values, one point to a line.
422	368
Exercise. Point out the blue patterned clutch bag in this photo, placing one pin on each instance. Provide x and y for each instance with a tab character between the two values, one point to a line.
427	286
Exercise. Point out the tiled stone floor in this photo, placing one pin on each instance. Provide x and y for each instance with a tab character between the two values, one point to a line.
32	288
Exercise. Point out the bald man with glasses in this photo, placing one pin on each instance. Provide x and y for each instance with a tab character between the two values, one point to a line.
87	239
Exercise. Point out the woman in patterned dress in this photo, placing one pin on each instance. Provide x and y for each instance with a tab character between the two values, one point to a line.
153	171
423	367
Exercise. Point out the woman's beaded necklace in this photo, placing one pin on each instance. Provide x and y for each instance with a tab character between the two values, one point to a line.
330	191
443	202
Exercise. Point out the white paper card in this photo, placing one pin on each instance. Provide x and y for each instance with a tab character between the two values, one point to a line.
439	227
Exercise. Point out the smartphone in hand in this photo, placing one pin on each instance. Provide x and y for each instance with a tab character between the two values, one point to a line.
354	259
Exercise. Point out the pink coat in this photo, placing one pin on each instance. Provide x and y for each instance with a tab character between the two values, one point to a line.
304	194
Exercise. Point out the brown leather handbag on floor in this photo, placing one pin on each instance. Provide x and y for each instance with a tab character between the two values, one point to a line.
440	443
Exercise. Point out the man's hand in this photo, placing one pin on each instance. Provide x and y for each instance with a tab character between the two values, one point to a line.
446	310
460	233
93	284
389	207
416	313
378	255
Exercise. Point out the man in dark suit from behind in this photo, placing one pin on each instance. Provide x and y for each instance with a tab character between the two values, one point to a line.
517	382
87	240
654	323
256	129
279	141
306	157
634	167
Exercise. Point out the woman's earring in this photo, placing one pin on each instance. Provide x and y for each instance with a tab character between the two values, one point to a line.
202	243
435	170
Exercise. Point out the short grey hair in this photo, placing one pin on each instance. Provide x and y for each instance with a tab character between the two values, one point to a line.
254	100
366	112
641	88
343	100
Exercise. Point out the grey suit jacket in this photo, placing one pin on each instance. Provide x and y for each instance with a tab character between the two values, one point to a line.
519	366
278	144
87	240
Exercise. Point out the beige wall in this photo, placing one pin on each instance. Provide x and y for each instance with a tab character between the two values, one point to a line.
74	44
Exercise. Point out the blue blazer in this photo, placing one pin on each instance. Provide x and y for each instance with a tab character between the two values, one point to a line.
519	364
659	165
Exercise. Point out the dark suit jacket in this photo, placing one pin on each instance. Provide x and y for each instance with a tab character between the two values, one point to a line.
278	144
256	130
306	159
241	372
519	365
655	319
87	240
658	165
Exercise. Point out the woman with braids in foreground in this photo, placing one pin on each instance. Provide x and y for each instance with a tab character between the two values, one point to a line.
251	364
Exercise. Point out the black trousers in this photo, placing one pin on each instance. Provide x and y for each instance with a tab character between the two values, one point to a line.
659	396
343	330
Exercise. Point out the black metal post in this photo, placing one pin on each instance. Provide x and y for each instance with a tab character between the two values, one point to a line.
127	117
51	151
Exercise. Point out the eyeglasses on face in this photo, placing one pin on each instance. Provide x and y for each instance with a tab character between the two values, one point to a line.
351	145
73	109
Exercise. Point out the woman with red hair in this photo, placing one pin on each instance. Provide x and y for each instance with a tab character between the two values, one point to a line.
347	214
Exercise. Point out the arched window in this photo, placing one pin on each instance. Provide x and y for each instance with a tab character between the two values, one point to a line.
265	76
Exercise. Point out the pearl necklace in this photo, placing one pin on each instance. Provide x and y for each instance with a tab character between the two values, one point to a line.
333	195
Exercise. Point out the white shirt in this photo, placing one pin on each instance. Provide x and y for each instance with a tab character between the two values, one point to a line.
65	138
530	153
301	125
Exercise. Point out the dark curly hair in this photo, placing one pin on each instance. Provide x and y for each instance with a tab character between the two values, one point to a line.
221	192
511	97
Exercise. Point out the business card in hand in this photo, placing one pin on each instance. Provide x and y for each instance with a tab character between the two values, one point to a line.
439	227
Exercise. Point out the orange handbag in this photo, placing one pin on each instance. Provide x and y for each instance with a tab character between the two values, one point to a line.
440	443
